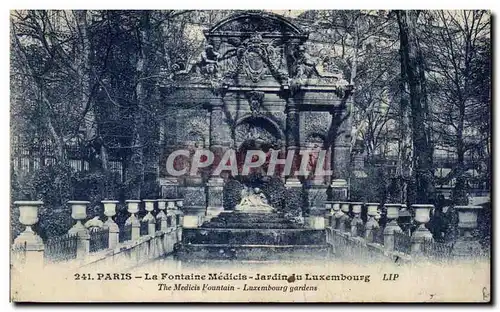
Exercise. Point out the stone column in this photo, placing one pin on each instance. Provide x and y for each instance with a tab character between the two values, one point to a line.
293	141
371	224
356	220
149	205
220	141
79	213
133	208
421	234
161	216
392	226
29	240
341	153
345	219
179	218
467	245
110	224
329	214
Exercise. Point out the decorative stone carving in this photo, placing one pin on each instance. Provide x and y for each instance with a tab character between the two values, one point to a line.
255	99
303	65
248	131
314	125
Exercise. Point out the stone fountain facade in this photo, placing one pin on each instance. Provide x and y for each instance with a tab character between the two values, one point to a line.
255	82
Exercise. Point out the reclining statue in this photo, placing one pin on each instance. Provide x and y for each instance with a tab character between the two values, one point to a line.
253	201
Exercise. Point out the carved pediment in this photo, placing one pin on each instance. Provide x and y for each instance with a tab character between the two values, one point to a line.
258	48
252	22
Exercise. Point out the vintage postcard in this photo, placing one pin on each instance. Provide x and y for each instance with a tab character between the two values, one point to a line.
250	156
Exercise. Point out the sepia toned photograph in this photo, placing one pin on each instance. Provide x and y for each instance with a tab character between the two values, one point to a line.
250	156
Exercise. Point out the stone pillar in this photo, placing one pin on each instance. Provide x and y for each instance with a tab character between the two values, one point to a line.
161	216
356	220
220	141
341	153
422	216
337	214
345	219
171	210
467	245
180	217
215	188
371	224
133	208
110	224
392	226
29	240
292	141
329	214
149	205
79	213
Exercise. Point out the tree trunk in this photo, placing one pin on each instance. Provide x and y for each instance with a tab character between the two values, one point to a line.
137	167
413	74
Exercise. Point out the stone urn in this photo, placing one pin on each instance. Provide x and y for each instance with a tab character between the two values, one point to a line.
467	245
109	208
422	212
132	208
171	204
149	205
78	213
467	217
392	211
133	221
28	216
422	216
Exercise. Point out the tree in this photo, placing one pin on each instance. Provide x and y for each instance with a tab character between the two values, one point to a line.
459	71
413	77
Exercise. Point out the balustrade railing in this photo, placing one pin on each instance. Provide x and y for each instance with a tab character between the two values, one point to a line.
437	250
99	239
62	248
402	243
125	233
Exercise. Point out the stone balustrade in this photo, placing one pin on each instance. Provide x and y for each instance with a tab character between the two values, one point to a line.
164	231
351	236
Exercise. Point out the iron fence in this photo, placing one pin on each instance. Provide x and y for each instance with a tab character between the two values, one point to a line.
402	242
125	233
144	228
437	250
99	239
61	248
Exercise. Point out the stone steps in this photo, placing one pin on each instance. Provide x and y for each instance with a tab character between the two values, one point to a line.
247	225
255	252
254	236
